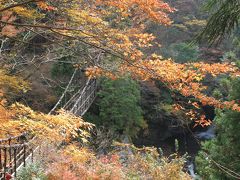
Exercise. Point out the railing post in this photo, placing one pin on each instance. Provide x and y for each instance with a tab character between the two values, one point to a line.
1	166
24	155
10	155
5	163
15	161
32	154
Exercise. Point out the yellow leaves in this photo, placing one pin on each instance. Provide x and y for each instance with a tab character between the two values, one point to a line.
182	77
56	128
215	69
155	56
78	155
93	24
198	78
144	39
16	84
28	13
82	17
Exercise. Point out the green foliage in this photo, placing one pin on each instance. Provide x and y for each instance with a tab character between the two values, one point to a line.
238	63
236	43
32	172
225	86
119	107
224	19
217	93
225	148
62	67
182	52
229	56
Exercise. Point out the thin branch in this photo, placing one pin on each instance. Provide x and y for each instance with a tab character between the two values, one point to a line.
19	4
64	93
93	45
46	27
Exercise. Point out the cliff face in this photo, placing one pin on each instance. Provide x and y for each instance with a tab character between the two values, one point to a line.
164	126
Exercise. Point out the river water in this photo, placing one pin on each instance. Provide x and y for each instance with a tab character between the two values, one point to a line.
188	142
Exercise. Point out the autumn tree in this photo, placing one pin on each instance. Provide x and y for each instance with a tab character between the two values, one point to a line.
103	37
88	32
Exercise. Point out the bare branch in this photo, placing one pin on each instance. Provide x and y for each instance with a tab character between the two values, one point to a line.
19	4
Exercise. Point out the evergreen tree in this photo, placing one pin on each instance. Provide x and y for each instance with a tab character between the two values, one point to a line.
224	19
119	107
223	153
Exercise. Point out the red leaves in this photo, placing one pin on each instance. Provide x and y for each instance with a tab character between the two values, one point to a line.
44	6
9	30
8	176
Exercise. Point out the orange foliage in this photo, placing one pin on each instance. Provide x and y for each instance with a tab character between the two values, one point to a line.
186	78
202	122
45	6
9	30
142	163
142	9
88	22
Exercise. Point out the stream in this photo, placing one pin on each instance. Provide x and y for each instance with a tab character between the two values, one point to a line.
188	143
188	140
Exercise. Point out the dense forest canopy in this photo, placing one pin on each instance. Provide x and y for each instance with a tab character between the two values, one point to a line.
54	42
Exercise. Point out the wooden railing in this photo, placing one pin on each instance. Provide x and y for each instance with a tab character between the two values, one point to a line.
13	154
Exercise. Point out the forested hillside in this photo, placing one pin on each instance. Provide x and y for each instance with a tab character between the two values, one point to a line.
119	89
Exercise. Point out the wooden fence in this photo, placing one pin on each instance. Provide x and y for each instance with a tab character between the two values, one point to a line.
13	154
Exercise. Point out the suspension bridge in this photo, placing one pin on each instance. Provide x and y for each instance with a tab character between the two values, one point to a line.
17	152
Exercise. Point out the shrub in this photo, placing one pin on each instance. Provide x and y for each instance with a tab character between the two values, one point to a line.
32	171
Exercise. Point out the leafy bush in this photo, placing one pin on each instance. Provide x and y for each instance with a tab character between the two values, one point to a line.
124	162
32	172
